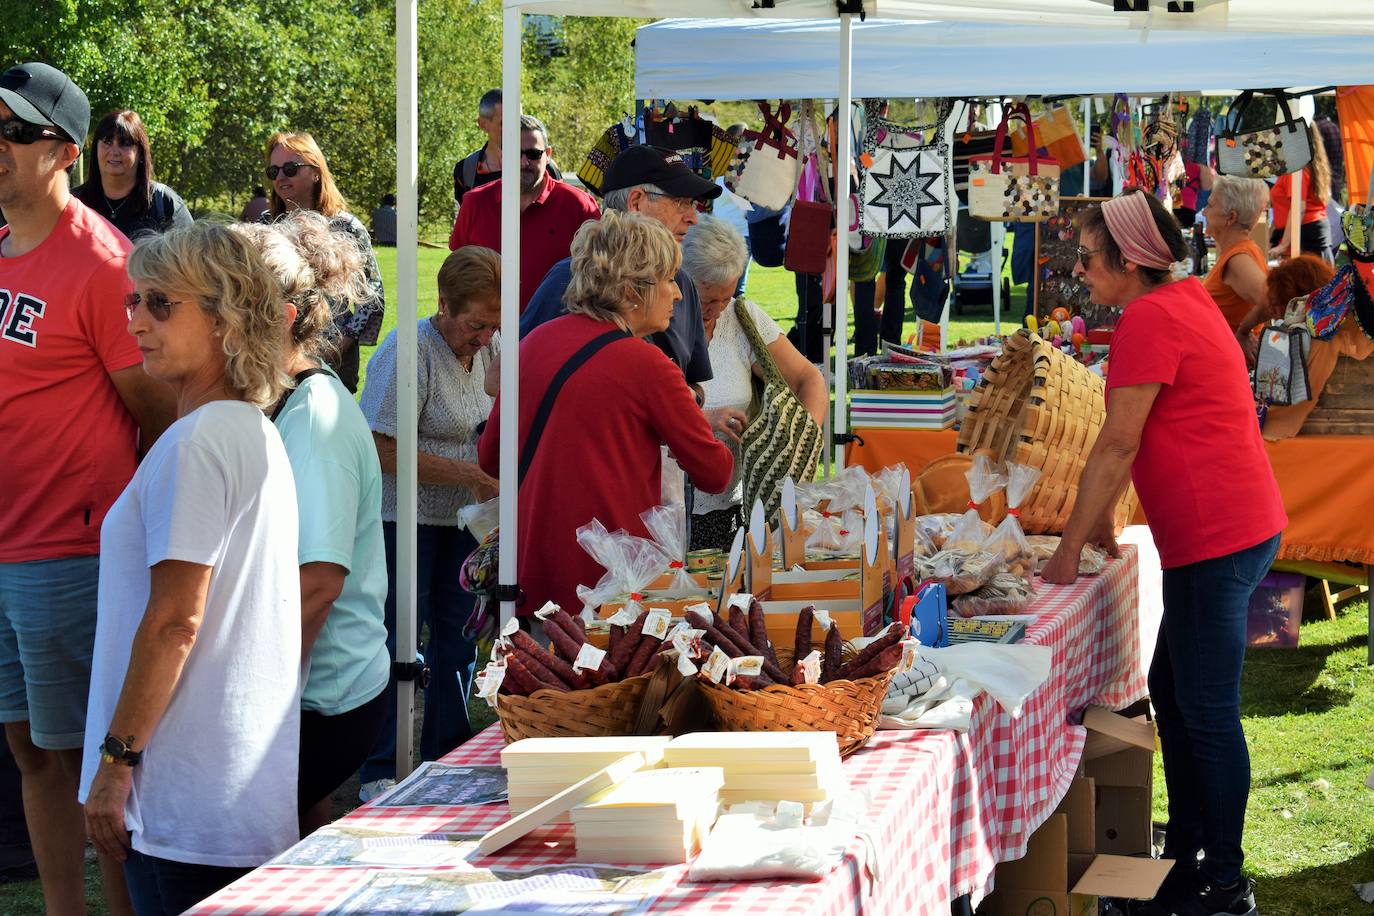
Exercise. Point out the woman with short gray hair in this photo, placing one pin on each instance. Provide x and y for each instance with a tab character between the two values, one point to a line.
714	256
1236	281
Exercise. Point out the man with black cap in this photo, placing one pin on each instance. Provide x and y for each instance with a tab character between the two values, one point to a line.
73	398
657	183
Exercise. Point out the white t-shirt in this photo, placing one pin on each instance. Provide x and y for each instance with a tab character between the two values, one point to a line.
217	784
732	361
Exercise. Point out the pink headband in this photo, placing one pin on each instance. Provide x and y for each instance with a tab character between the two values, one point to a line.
1133	228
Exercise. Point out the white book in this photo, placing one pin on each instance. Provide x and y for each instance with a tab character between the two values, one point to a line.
729	747
578	753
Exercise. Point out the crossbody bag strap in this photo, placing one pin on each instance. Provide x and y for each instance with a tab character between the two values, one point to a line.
286	395
541	416
770	368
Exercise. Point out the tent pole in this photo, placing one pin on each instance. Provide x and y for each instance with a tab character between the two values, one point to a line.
842	165
1087	145
510	300
406	294
999	245
958	114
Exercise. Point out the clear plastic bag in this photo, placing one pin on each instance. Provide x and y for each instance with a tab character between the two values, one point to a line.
631	564
668	527
887	486
837	534
938	527
961	570
1091	561
1008	540
983	481
749	847
1004	593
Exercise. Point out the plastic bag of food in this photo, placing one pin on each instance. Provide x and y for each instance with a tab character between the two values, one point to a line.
1004	593
1007	539
962	570
983	481
631	564
1091	561
837	534
887	486
938	527
668	527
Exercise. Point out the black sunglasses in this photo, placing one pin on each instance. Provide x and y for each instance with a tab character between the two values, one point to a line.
158	304
533	155
24	133
289	169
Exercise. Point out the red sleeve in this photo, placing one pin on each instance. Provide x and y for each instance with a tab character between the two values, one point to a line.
489	444
683	427
1145	348
103	318
455	237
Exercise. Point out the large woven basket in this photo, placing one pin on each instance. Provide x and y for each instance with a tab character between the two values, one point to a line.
1037	406
848	708
596	712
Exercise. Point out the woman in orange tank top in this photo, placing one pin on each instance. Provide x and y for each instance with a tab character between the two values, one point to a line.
1236	282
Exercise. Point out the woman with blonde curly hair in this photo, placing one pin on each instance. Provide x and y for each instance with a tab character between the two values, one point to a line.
608	399
301	180
343	578
189	774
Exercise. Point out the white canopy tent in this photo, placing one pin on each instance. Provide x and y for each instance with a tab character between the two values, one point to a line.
1331	17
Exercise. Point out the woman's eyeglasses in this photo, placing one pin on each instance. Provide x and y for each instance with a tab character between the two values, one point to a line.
1085	255
289	169
158	304
533	155
24	133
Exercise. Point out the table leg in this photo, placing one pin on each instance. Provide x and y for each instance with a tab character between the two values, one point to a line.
1369	578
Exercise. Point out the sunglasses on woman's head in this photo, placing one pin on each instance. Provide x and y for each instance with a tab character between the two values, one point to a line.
159	305
24	133
289	169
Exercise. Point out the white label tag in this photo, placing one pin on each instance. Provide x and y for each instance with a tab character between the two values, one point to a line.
744	666
740	600
823	619
589	657
687	644
656	624
910	652
716	665
489	682
701	608
811	667
510	627
623	617
547	611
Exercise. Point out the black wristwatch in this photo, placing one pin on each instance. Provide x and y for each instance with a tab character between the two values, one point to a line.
117	750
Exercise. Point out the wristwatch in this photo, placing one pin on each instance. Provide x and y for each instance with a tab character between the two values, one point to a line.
117	750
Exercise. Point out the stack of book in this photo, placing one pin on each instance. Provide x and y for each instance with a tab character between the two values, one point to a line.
539	768
654	816
765	766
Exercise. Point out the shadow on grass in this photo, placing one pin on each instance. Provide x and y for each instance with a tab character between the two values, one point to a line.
1279	682
1324	889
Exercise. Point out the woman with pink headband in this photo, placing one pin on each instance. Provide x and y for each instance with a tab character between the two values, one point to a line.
1181	424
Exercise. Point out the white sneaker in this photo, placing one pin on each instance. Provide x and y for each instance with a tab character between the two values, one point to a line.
370	790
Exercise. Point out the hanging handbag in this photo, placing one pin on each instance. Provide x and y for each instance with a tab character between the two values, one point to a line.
1357	223
904	191
766	165
1272	151
810	228
613	141
1014	188
1058	137
929	281
1328	306
781	439
966	146
1280	376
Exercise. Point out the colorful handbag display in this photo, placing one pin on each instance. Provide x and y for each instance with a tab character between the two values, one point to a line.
1014	188
1269	152
616	139
1357	223
766	165
705	146
904	191
1328	307
1058	137
1280	376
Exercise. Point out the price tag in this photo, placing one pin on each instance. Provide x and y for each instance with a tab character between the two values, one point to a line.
740	600
510	627
624	617
910	652
811	667
489	682
823	618
744	666
686	643
588	658
656	624
547	611
716	665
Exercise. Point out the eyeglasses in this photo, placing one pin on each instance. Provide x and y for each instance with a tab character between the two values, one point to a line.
683	204
24	133
289	169
534	155
158	304
1085	255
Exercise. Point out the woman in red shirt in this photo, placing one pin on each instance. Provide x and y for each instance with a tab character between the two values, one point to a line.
1315	234
598	453
1181	423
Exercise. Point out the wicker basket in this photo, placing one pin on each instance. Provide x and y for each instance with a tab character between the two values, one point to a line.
596	712
1037	406
848	708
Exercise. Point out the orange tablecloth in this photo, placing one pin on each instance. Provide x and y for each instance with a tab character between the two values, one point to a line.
1327	484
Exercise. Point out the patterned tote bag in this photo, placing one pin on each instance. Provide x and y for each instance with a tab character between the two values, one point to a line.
904	192
1276	150
1014	188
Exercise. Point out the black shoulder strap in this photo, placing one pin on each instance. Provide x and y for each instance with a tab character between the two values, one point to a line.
469	168
541	417
286	395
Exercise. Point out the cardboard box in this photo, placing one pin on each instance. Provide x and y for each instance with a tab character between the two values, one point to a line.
1118	756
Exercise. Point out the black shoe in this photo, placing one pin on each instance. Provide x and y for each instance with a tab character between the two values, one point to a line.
1217	900
1178	885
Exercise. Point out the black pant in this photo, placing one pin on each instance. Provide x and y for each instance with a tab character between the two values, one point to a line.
333	747
806	333
161	887
1314	238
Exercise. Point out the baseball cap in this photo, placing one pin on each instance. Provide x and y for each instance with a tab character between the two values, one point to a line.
657	166
40	94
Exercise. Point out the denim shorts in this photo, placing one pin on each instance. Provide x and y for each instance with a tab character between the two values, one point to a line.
47	630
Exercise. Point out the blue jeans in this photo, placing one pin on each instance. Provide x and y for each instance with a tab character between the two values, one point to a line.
444	607
1195	687
161	887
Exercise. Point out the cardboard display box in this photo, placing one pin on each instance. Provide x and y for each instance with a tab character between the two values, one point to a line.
1119	757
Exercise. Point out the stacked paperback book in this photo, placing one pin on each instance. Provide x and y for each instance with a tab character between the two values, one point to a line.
653	816
539	768
765	766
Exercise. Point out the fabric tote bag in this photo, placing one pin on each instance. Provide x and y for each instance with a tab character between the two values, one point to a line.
1269	152
1280	376
904	192
766	165
1057	134
1016	189
781	439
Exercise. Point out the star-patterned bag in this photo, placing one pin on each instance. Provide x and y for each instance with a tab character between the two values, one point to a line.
904	192
1268	153
1014	189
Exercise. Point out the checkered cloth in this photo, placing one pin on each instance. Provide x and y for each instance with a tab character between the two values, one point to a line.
945	807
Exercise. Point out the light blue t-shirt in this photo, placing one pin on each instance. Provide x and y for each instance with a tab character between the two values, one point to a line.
339	496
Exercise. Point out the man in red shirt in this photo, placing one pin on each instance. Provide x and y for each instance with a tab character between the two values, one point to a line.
551	211
73	397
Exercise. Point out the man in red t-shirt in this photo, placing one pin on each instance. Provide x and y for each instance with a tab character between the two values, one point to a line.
73	397
551	212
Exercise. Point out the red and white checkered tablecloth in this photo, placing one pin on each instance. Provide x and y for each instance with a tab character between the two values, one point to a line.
946	807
